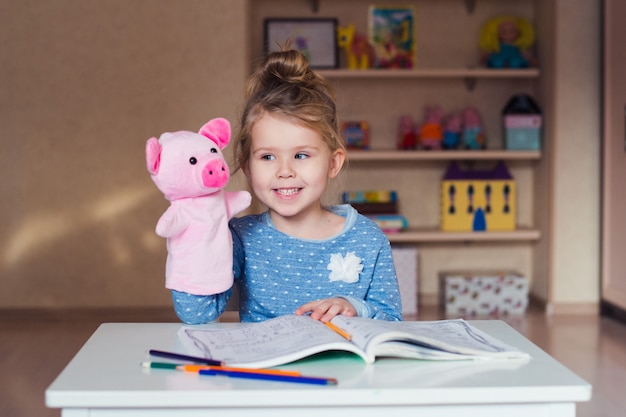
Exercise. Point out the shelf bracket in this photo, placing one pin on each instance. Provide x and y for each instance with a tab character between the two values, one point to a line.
315	5
470	6
470	83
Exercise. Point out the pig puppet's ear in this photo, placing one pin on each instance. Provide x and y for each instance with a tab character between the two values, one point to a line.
218	130
153	155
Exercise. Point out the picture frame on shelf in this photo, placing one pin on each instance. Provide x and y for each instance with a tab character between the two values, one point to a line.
392	32
316	38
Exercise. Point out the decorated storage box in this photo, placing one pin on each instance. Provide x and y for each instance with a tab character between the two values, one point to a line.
405	260
466	293
475	200
522	132
522	123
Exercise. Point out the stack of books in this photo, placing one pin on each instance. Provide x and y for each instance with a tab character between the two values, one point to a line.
379	205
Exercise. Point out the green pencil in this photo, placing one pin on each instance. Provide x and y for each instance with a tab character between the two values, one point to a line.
160	365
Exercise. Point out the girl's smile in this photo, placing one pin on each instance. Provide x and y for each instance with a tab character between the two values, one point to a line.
288	192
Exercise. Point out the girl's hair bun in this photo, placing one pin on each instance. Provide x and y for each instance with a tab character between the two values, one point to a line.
280	68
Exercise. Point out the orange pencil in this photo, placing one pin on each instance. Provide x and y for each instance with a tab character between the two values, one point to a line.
342	332
197	368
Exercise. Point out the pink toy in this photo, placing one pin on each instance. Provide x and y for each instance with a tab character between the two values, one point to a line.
431	131
407	139
190	170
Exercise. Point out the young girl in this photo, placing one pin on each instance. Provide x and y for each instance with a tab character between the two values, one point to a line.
298	257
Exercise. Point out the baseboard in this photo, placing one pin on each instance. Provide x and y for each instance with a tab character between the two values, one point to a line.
428	300
611	310
163	314
100	314
572	309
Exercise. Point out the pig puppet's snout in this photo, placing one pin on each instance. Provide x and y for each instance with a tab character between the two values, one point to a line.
215	174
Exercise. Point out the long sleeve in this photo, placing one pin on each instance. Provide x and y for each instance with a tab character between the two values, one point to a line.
382	301
199	309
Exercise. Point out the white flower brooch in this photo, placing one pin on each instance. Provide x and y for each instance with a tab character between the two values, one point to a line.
345	269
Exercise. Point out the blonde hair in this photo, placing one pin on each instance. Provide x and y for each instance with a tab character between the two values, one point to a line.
489	41
284	85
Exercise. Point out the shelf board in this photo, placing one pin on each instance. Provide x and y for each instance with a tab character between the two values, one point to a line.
397	155
432	73
413	235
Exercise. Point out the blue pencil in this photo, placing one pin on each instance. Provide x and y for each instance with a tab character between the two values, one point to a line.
270	377
170	355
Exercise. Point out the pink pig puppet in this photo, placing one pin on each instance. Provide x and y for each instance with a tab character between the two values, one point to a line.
190	170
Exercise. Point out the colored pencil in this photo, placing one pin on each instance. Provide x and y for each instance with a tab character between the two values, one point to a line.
270	377
171	355
198	368
160	365
341	332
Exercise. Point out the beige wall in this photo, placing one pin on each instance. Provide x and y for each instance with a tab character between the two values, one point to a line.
576	154
84	84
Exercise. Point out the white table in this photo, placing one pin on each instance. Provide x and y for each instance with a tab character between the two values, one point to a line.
105	379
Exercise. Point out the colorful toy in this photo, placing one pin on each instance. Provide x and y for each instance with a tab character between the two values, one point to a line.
452	131
407	137
390	223
190	170
359	52
473	136
505	42
478	200
356	134
431	131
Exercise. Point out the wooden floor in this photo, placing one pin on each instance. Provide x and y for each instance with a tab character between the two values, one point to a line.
35	346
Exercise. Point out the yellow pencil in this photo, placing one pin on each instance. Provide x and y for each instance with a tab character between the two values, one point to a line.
342	332
197	368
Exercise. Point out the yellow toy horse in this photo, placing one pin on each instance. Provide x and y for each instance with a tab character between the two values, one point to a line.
359	52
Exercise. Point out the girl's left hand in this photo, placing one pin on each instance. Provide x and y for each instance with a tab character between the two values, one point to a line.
324	310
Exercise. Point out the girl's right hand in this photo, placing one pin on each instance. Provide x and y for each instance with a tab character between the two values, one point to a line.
324	310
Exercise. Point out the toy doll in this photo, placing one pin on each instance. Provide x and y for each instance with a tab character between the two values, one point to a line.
505	42
473	132
431	131
452	131
407	138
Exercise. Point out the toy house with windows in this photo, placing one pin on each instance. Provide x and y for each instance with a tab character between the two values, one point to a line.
477	200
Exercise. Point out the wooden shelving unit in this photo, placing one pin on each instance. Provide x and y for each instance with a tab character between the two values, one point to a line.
432	73
446	74
398	155
434	235
469	76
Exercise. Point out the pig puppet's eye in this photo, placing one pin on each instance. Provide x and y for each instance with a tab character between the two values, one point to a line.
213	150
193	160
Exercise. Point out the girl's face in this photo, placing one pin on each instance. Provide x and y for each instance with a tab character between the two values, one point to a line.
289	167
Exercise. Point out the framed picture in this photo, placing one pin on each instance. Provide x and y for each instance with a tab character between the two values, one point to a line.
392	33
315	38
